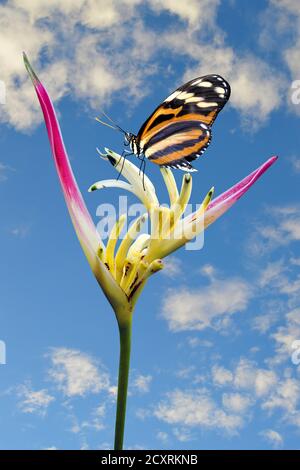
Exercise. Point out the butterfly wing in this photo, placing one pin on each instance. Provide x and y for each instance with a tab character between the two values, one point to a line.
179	129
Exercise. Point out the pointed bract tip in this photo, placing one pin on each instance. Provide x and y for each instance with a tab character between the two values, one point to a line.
30	70
108	155
208	198
100	251
102	155
156	265
112	160
272	160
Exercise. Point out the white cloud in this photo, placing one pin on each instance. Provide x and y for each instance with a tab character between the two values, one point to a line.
265	380
286	395
254	350
273	438
182	434
281	26
89	50
96	420
77	60
295	161
142	413
185	372
199	13
236	403
285	335
3	171
196	408
142	383
291	5
280	228
263	323
257	89
208	271
162	437
194	342
283	282
20	108
248	376
210	306
33	401
292	227
172	266
76	373
221	376
20	231
295	261
270	273
244	389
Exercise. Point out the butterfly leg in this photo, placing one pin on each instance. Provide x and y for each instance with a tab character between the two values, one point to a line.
122	156
123	161
142	168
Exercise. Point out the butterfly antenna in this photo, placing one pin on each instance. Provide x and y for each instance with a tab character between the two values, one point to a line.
114	126
106	124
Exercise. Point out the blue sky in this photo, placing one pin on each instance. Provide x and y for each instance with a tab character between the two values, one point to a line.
222	377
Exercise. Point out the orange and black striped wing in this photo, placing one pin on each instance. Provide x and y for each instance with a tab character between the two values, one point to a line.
179	130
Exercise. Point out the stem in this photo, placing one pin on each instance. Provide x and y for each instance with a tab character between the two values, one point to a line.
124	362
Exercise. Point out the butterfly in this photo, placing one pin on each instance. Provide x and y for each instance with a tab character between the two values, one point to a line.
179	129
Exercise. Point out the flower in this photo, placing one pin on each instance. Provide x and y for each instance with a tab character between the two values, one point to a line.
122	271
169	228
123	274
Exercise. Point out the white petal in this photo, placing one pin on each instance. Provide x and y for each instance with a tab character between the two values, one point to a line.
132	173
112	184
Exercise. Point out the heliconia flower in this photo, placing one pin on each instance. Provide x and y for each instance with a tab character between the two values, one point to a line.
169	228
122	268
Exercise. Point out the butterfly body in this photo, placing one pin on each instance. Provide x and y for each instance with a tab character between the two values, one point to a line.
179	129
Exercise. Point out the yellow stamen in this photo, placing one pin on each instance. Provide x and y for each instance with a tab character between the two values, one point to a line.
170	184
128	239
112	241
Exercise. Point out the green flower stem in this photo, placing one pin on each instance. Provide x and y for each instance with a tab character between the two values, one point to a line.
124	363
